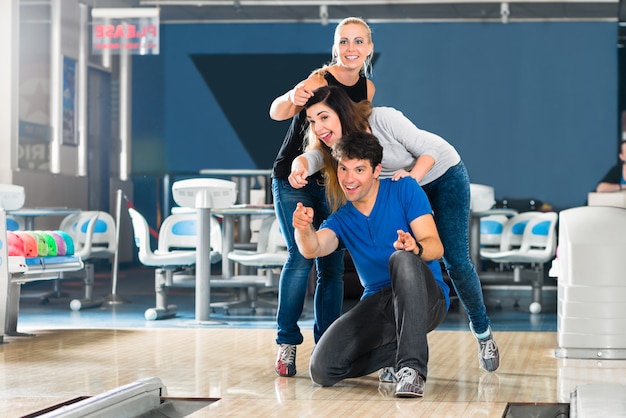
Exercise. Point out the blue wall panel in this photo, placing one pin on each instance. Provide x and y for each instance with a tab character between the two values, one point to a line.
531	107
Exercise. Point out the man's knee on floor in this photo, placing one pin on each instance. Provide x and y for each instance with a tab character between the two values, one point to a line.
319	374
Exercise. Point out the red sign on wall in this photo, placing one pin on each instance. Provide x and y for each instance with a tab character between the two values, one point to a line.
135	30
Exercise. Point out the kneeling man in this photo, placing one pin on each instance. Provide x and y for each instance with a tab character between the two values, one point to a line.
389	230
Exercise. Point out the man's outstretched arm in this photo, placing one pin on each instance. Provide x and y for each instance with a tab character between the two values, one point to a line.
312	243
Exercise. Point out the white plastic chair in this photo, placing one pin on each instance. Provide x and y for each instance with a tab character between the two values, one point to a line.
512	234
537	246
165	263
178	232
95	235
270	256
491	229
174	267
95	238
271	248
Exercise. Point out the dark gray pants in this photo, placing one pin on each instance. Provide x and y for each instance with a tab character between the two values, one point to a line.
387	328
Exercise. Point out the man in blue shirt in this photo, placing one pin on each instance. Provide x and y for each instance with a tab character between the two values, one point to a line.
388	228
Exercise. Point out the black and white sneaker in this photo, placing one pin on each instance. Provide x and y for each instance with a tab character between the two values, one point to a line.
410	383
488	353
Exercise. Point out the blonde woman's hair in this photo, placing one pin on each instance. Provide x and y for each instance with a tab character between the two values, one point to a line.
367	65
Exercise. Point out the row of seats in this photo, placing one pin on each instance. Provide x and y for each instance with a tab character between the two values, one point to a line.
175	257
94	233
500	233
524	241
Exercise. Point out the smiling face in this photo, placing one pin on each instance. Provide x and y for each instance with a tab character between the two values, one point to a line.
358	180
325	123
353	44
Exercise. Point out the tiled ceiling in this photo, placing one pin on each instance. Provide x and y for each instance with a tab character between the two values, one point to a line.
253	11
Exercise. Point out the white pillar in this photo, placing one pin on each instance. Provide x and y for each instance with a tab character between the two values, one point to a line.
56	86
81	76
125	113
9	77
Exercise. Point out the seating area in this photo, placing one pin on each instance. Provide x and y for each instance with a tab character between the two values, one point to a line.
527	242
176	258
511	247
512	244
243	270
514	249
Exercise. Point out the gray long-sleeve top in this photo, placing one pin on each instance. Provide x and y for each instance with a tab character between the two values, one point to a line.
403	143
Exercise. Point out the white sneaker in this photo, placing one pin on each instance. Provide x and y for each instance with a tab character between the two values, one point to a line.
488	353
410	383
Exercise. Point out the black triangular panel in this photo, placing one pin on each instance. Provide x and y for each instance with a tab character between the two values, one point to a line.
245	86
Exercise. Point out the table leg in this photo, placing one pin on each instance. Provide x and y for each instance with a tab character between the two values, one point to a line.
203	265
474	242
269	197
167	190
228	229
244	220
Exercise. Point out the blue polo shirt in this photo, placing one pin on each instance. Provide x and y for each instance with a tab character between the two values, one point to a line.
369	239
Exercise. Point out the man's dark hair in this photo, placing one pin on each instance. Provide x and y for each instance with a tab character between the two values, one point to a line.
359	146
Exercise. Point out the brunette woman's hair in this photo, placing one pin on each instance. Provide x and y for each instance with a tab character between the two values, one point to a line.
353	117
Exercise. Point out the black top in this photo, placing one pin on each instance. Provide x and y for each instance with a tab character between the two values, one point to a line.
293	145
614	175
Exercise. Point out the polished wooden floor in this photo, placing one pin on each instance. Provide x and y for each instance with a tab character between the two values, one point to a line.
236	367
86	353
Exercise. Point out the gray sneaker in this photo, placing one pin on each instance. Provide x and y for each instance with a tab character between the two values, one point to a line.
387	375
488	353
410	383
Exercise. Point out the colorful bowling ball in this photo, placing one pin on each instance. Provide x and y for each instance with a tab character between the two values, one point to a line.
51	244
59	241
42	245
69	242
30	243
15	244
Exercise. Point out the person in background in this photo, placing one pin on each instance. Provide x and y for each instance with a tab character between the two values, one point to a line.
615	179
349	69
410	152
388	228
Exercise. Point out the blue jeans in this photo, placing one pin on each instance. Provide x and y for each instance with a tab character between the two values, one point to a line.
449	196
294	276
388	328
